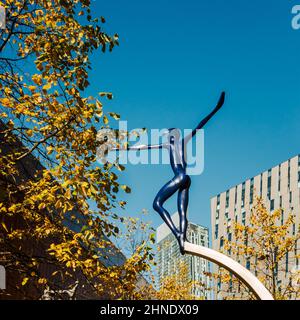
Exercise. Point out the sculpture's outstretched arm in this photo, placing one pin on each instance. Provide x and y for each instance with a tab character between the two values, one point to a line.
206	119
139	147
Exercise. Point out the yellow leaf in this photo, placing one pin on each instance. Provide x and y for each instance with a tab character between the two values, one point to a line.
42	206
126	188
47	86
4	226
37	79
99	104
105	120
114	115
25	280
42	281
107	94
5	102
50	149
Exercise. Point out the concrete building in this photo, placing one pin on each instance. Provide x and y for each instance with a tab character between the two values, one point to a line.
278	186
169	255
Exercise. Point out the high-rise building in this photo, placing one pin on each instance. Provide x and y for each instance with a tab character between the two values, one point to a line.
279	187
169	256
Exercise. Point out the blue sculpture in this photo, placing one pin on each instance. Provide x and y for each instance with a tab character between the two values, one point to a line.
181	182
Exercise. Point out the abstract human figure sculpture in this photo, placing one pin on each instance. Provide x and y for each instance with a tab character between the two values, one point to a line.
181	182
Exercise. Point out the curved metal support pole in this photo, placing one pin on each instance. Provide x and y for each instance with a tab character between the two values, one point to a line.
237	269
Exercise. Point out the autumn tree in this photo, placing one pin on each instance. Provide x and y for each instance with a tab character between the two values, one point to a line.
267	245
178	286
45	53
137	232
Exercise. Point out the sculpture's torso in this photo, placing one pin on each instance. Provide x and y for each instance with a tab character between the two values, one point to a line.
177	159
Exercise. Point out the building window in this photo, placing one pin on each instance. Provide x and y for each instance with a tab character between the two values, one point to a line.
218	202
280	201
289	174
294	229
248	266
246	240
269	183
261	184
287	262
219	284
221	242
235	195
269	173
243	194
216	231
229	237
279	177
251	190
193	237
272	205
282	217
244	218
227	198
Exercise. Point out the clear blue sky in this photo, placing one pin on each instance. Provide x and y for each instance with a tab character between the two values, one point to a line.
174	59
